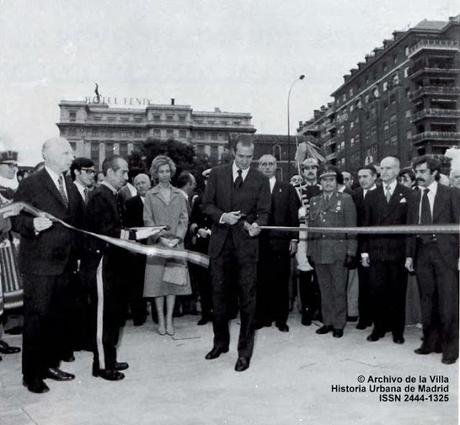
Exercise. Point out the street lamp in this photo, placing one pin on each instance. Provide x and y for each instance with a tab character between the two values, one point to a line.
301	77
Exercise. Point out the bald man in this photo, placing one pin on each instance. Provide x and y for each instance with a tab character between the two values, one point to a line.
48	256
136	270
385	255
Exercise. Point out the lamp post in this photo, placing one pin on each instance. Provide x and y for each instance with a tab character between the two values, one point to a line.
301	77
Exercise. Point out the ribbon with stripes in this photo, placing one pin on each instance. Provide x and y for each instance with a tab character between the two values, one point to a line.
138	248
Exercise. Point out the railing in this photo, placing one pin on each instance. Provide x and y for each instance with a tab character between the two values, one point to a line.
332	155
431	112
330	126
428	68
436	135
454	90
434	44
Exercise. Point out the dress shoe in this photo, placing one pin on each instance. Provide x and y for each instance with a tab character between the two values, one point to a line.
323	330
203	321
398	339
36	385
121	366
448	361
216	352
337	333
262	324
306	319
5	348
108	374
422	351
16	330
69	358
138	322
242	364
362	325
375	336
57	374
352	318
283	327
1	358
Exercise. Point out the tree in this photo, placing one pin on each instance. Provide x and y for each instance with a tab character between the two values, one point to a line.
182	154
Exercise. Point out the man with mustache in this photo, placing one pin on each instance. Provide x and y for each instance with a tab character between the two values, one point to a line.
435	259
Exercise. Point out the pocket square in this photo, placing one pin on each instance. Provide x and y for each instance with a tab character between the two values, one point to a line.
402	201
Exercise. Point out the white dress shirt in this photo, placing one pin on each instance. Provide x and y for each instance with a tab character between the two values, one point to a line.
272	183
391	188
235	169
55	177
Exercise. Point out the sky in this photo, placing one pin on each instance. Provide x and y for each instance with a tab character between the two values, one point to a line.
238	55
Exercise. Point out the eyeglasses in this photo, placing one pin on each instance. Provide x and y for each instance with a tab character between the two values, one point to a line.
88	170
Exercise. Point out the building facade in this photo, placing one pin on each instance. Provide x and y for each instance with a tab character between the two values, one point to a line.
97	131
403	100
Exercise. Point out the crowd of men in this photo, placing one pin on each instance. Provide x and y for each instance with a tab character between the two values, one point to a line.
67	275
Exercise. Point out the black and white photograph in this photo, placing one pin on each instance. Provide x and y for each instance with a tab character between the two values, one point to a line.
229	212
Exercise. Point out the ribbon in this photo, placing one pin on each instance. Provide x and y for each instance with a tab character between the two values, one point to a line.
377	230
150	251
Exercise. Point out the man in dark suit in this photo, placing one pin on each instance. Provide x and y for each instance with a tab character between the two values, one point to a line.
366	177
47	257
105	215
385	254
136	262
275	250
237	199
435	259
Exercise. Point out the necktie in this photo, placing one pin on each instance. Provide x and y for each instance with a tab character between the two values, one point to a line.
387	193
425	214
62	190
86	193
239	180
120	208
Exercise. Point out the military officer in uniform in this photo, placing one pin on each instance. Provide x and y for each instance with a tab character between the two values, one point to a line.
332	253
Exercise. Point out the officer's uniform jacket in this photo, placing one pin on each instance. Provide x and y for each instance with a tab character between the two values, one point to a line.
338	211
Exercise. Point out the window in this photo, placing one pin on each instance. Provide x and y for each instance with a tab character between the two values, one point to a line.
406	71
406	51
157	132
72	131
385	67
385	86
408	113
95	152
351	108
156	117
72	116
351	91
181	117
409	135
352	124
108	149
385	125
124	150
367	98
200	135
344	97
395	79
394	140
393	119
169	132
211	122
223	122
236	122
182	134
352	141
169	117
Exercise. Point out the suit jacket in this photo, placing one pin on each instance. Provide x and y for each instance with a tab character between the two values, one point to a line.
252	199
338	211
446	210
134	212
378	212
358	199
49	252
283	212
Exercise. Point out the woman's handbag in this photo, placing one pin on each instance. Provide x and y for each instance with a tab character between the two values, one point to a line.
175	273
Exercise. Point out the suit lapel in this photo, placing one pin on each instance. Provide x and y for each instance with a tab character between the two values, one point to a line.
439	202
394	201
51	187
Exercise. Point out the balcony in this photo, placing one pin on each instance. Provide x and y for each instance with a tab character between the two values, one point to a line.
452	45
436	113
330	126
445	136
415	71
434	90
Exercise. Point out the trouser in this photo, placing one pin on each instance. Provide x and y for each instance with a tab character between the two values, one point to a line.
273	285
438	284
310	295
203	285
332	279
46	336
134	277
388	283
108	305
232	265
364	301
352	292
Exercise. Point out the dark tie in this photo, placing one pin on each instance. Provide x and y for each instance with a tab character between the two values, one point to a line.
86	193
120	208
425	214
62	190
239	180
